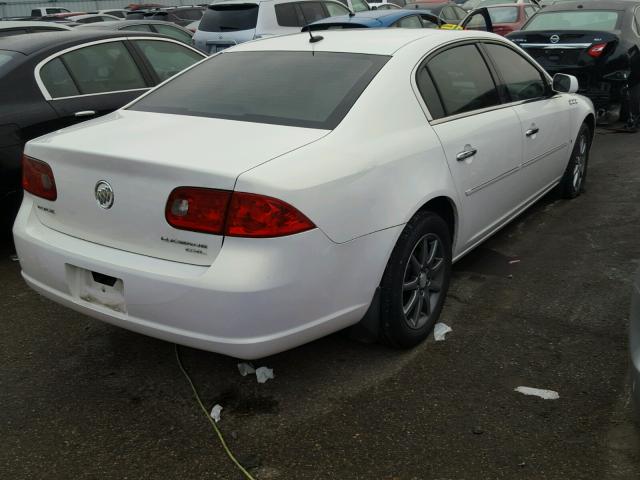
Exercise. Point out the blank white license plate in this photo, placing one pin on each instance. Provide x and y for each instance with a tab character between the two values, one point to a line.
97	288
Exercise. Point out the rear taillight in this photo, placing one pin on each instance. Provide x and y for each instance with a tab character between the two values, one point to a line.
197	209
253	215
235	214
37	178
596	49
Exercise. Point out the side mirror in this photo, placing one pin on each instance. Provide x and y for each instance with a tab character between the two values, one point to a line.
564	83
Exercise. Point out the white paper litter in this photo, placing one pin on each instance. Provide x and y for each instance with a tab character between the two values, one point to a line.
514	261
538	392
246	368
263	374
440	331
215	412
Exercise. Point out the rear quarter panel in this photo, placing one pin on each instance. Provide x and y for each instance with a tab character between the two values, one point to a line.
373	172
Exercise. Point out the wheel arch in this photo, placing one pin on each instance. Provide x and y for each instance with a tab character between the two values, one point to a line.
446	208
590	120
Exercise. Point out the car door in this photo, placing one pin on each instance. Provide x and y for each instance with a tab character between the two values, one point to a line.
544	117
91	80
480	137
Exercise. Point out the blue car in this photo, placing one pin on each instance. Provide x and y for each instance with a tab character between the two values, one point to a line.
378	19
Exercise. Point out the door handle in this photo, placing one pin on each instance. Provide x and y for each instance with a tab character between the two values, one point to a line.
468	152
532	131
85	113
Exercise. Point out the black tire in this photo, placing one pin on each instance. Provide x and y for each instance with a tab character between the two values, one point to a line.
575	175
426	235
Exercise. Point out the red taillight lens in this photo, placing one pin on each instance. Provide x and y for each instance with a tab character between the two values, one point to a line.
234	214
37	178
596	49
197	209
253	215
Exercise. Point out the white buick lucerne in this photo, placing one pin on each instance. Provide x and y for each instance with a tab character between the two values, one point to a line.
293	186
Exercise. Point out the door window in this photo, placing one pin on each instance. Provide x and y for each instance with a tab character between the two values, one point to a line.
312	11
412	21
173	32
463	81
56	79
287	15
167	58
106	67
528	11
359	6
138	28
521	79
334	9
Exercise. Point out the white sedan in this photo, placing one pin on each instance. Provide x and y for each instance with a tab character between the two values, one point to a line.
291	187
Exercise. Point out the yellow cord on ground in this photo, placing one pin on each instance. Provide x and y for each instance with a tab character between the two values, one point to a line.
211	421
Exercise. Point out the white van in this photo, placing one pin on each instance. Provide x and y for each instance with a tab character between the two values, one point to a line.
228	23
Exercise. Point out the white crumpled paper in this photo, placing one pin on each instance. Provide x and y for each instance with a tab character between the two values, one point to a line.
440	330
263	374
215	412
245	369
538	392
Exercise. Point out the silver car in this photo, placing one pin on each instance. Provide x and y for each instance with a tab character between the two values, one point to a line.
634	341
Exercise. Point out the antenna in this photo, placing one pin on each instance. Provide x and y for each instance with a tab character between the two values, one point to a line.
313	39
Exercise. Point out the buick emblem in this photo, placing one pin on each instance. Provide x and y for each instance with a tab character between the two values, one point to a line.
104	194
554	38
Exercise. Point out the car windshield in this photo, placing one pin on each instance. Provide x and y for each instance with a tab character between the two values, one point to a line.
574	20
229	18
302	89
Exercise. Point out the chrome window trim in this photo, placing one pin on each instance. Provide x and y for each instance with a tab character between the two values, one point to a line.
47	96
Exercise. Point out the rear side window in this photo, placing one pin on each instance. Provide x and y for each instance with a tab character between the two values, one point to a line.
173	32
521	79
283	88
333	9
463	81
106	67
167	58
57	80
229	18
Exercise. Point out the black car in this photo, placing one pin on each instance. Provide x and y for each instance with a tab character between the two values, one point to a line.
52	80
597	42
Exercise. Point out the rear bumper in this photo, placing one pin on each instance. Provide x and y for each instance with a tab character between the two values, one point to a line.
634	344
260	297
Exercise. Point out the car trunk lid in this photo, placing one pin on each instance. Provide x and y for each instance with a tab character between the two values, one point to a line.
142	168
559	51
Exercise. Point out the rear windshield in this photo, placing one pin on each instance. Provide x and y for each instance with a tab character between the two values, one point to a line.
229	18
573	20
300	89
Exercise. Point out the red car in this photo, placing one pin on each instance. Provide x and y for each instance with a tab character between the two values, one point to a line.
505	18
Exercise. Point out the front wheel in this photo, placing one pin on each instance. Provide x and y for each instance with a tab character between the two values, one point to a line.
416	280
573	180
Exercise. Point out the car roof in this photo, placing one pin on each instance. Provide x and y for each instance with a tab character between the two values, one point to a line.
372	41
592	5
116	24
19	23
32	43
371	18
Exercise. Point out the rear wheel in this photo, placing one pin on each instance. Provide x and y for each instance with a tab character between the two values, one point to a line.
416	280
572	183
